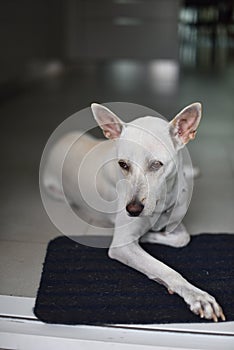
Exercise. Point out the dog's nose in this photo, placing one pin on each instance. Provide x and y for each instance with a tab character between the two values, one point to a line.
134	208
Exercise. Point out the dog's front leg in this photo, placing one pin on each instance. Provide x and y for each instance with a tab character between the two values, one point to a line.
126	249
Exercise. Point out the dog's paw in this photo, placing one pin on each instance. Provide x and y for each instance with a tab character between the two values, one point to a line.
203	304
175	239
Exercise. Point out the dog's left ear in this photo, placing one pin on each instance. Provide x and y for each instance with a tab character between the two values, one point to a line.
184	126
110	124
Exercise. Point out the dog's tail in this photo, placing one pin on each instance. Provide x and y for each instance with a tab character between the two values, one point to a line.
191	172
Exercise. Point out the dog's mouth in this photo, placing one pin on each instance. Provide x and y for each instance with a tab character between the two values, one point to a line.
134	214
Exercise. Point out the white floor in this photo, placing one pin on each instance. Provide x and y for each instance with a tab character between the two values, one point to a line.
21	330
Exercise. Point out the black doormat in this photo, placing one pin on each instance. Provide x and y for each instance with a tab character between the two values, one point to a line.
82	285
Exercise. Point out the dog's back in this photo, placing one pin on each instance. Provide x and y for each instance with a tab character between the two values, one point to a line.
67	152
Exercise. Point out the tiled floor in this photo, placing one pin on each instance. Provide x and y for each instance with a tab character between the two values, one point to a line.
29	118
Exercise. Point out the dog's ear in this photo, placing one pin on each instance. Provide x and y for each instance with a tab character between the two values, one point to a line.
184	126
110	124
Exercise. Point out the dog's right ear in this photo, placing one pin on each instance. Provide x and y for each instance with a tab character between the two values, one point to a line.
110	124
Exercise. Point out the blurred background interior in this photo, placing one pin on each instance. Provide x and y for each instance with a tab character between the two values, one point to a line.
58	56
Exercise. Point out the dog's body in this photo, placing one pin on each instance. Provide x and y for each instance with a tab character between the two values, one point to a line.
149	206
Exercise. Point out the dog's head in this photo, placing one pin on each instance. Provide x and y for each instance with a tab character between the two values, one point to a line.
147	151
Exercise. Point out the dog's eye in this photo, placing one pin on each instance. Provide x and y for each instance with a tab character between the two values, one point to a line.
156	165
123	165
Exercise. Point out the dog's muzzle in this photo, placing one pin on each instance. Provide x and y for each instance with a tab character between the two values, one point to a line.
134	208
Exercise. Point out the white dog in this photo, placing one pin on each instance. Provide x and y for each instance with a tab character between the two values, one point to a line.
153	194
